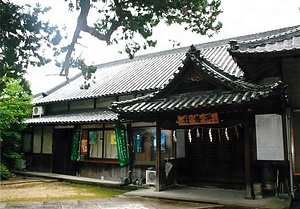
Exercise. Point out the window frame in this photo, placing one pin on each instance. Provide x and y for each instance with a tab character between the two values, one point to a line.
87	156
145	154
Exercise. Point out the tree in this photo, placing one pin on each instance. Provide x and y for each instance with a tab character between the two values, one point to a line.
15	106
123	20
22	36
22	33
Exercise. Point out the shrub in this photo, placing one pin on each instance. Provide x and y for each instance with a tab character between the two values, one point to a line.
5	173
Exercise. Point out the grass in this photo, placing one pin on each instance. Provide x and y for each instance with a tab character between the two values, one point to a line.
46	191
98	191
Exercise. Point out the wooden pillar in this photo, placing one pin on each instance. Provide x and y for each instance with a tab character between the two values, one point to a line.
158	156
130	151
248	170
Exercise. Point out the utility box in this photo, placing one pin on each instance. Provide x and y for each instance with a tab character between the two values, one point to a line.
20	165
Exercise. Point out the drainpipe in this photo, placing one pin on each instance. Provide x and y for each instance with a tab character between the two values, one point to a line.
289	148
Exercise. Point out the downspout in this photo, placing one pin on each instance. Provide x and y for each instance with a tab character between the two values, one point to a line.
289	148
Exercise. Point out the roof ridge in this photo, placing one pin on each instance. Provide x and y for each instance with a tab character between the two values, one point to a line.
214	71
209	44
132	101
281	34
58	86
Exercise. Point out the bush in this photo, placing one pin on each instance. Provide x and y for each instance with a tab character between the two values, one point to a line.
5	173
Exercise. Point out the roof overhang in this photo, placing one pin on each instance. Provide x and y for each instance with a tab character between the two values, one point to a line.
198	101
94	116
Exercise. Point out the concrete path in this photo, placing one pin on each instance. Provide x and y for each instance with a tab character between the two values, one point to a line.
215	196
119	202
184	193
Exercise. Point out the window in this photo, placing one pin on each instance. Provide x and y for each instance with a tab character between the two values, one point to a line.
42	139
47	140
37	139
27	142
144	143
98	144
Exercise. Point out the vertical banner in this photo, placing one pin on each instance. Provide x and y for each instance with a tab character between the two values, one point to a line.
75	142
122	145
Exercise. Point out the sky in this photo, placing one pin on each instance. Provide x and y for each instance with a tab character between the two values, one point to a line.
239	17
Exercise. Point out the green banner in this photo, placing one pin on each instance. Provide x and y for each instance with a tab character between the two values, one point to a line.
75	143
122	145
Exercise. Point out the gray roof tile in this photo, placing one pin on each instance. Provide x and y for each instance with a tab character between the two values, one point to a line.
192	101
142	74
240	91
93	116
282	41
153	72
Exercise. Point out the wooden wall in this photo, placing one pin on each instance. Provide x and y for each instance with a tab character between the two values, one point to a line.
291	77
108	171
39	162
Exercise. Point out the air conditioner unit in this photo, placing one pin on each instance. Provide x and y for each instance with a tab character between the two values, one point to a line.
20	165
150	177
37	111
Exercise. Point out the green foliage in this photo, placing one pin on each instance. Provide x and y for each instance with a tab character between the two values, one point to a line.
88	72
133	21
5	173
123	20
15	106
22	36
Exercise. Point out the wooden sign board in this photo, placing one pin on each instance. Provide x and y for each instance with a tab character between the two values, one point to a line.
198	119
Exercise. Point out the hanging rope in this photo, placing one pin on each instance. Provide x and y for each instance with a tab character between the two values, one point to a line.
219	134
190	135
237	133
226	134
222	128
198	135
174	136
210	135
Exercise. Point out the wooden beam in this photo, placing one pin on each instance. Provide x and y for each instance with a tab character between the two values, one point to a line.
249	187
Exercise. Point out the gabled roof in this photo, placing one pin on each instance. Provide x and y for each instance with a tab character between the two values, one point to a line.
288	40
241	92
145	73
218	75
193	101
93	116
148	73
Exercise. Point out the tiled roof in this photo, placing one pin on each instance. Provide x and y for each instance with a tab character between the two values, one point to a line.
121	78
240	92
218	75
142	74
285	41
192	101
151	72
96	116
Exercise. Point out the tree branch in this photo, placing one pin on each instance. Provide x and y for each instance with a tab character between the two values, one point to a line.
94	32
81	24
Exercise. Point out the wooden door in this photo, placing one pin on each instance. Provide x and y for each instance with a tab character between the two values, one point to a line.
62	147
216	155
